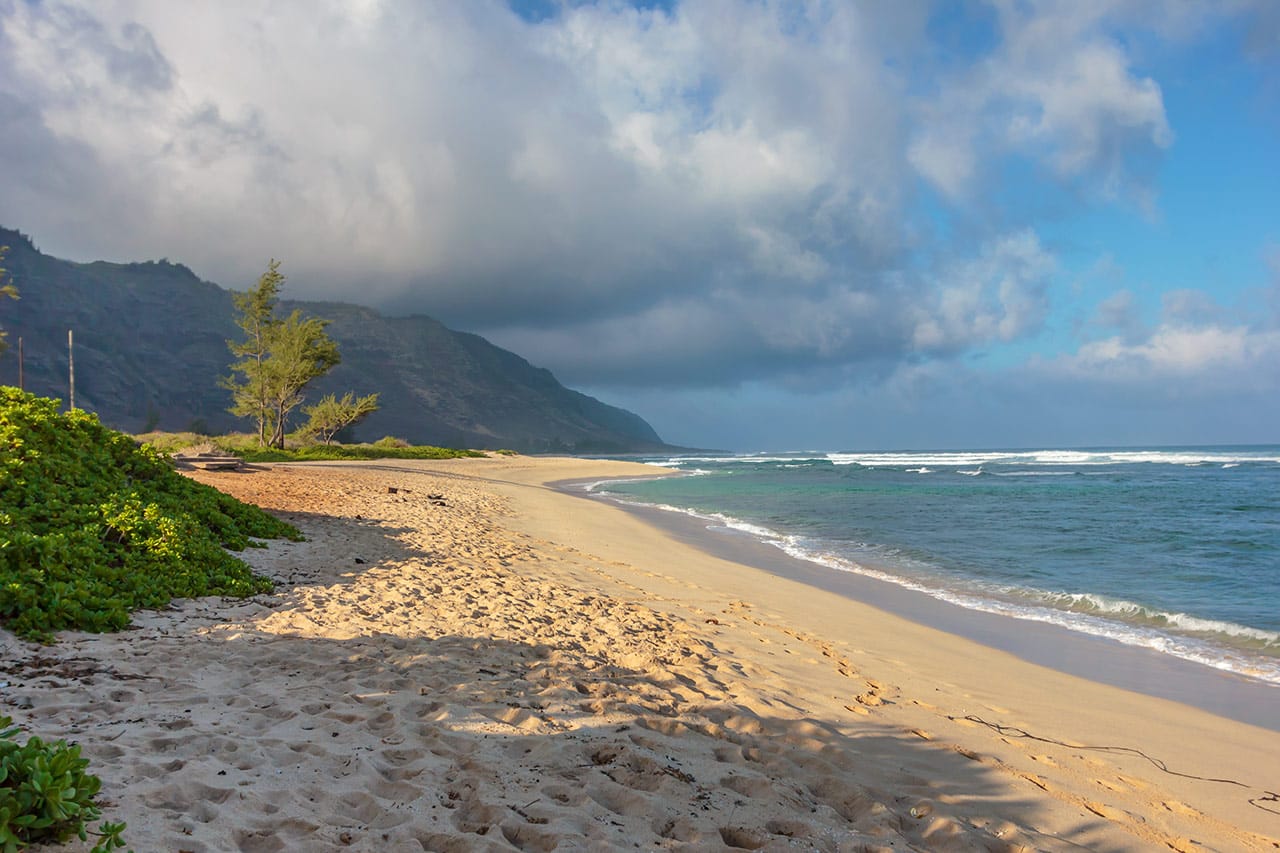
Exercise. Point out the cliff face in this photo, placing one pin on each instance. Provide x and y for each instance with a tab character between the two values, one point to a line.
151	345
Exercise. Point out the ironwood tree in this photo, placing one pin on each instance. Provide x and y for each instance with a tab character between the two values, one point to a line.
278	358
331	415
256	318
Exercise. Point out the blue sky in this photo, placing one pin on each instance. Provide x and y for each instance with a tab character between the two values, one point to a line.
759	224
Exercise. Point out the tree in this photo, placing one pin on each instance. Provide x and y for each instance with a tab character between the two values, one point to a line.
330	415
300	350
278	358
257	318
5	290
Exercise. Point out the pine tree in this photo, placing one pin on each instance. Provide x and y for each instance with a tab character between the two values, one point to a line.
277	358
330	415
300	351
256	318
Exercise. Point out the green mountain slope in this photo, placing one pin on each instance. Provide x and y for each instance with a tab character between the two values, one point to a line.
150	346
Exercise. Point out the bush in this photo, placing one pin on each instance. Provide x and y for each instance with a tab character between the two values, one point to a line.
93	527
46	796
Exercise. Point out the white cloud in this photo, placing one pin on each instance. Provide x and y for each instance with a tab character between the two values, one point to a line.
723	191
1187	306
1117	311
1059	89
945	155
1227	355
998	296
458	147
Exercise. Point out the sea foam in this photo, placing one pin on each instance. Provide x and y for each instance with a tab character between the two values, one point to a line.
1084	613
1189	526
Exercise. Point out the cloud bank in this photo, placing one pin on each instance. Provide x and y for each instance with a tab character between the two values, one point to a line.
690	195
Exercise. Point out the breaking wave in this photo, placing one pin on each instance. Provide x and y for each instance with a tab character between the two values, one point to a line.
1223	645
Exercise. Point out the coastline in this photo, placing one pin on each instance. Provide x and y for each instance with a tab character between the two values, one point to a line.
512	667
926	661
1086	656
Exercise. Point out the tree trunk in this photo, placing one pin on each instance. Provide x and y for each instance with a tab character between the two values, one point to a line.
277	436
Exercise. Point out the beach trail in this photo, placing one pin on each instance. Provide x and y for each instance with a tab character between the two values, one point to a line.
461	657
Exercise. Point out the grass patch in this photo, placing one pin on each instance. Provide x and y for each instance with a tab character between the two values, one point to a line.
246	446
318	452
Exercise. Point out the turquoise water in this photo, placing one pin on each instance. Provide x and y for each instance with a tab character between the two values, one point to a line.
1173	549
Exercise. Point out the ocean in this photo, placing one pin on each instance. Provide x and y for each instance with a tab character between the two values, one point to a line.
1171	549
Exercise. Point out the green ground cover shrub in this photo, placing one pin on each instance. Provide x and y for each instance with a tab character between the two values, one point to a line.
319	452
298	448
93	527
46	795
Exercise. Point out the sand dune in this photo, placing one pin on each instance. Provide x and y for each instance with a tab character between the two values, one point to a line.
461	659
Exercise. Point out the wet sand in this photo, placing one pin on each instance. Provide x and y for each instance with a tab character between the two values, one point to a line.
1094	658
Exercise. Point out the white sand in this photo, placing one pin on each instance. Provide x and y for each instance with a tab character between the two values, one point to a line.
521	669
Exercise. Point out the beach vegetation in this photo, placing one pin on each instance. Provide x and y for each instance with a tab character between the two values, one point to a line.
277	358
46	795
175	442
256	309
328	452
331	415
93	526
299	448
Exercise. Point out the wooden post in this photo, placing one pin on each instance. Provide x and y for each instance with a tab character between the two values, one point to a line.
21	385
71	367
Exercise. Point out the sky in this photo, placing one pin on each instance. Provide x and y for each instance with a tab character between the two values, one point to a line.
761	225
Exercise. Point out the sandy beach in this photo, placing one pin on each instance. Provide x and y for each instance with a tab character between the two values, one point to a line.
461	657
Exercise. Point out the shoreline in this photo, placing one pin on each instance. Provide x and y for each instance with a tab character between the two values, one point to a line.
461	657
1099	659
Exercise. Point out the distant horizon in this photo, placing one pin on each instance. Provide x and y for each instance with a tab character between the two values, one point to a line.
1028	449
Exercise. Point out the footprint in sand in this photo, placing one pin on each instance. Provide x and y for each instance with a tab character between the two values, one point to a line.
757	787
1136	784
572	797
680	829
1105	811
744	838
618	798
1038	781
522	836
849	802
1181	808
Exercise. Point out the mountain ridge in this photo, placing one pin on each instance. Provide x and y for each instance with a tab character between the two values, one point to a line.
151	344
